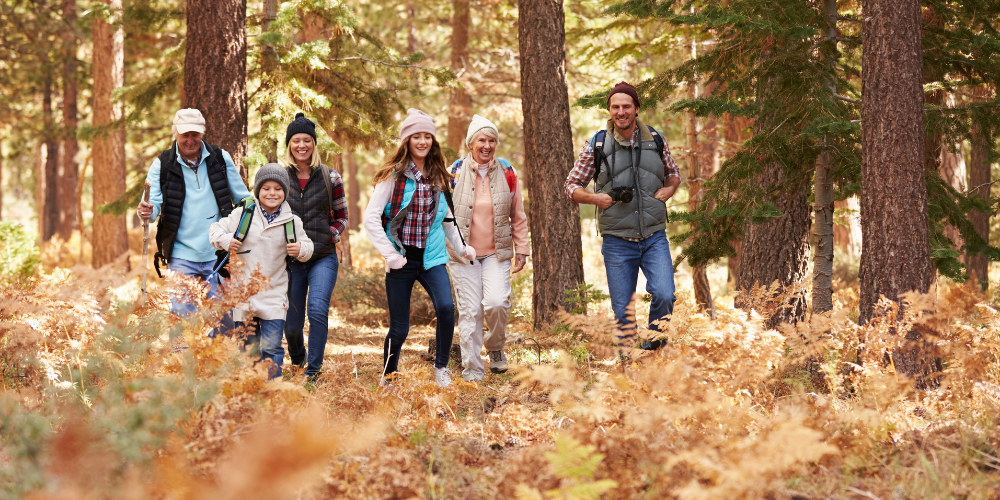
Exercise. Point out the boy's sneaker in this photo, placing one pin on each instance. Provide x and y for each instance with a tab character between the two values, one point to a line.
442	376
652	345
498	362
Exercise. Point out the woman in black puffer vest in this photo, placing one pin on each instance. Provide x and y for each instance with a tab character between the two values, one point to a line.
316	195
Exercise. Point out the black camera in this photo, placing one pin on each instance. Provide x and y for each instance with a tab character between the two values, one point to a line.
622	194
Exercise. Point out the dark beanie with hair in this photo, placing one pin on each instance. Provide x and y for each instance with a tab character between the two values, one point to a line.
624	88
300	125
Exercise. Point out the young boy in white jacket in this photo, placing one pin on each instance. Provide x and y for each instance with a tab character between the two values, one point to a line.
265	248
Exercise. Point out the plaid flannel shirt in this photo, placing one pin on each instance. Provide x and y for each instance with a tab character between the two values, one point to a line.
270	217
338	213
419	218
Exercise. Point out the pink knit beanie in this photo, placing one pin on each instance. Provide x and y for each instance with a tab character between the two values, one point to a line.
417	121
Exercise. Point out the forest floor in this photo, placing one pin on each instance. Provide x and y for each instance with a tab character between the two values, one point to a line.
96	404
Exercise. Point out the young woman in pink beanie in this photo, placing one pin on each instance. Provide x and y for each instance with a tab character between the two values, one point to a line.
405	221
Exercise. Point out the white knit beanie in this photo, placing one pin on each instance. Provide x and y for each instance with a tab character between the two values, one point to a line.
479	123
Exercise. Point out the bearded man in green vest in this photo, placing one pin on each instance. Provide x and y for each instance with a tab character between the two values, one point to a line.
634	175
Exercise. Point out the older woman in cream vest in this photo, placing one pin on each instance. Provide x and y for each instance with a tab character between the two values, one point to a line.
489	211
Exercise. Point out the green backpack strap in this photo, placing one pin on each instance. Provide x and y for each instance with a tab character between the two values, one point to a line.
290	231
245	219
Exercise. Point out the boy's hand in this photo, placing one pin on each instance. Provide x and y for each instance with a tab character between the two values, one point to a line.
293	249
234	244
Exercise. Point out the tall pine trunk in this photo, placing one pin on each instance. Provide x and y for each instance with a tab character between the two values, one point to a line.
215	72
68	168
110	238
822	288
734	134
699	274
776	250
895	257
268	13
979	178
353	191
50	207
554	221
460	104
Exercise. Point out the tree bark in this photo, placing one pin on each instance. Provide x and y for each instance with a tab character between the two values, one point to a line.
268	13
215	72
896	254
50	208
822	288
548	156
1	179
979	177
734	133
460	104
68	168
110	238
699	274
353	191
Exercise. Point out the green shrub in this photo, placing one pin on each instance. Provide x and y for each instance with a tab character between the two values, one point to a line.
18	254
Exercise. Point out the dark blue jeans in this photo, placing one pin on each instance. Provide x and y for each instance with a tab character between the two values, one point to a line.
267	338
318	277
622	261
398	288
201	270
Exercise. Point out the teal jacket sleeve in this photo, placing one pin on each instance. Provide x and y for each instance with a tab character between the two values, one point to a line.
236	186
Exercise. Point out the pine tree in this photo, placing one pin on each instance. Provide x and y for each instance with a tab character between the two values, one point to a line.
460	105
68	168
556	248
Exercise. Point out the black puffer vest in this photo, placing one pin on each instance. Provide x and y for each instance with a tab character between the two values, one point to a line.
172	187
312	205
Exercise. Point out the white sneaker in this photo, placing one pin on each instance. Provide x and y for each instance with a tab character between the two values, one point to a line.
442	376
498	362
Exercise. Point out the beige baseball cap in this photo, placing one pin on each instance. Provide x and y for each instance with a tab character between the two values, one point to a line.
188	120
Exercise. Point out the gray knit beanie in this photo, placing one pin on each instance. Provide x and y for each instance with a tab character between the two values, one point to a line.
270	172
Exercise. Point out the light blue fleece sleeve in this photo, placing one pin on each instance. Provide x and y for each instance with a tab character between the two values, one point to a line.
155	195
236	186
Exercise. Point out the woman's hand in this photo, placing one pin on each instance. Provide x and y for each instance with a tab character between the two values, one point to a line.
394	261
234	245
293	249
519	260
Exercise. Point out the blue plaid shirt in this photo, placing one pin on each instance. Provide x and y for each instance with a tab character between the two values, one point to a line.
270	217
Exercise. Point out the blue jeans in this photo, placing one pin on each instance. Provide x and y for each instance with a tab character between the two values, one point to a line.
267	338
318	277
200	270
398	288
622	261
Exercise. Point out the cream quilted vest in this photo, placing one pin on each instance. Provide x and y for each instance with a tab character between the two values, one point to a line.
465	197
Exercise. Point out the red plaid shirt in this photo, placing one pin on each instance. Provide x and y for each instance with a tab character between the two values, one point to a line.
583	168
419	218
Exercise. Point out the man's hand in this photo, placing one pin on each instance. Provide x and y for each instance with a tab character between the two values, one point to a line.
519	260
293	249
603	201
664	193
145	210
234	245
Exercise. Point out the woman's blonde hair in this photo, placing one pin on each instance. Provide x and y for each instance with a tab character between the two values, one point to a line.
434	165
289	159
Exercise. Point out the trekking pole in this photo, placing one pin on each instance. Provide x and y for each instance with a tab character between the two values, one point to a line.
145	246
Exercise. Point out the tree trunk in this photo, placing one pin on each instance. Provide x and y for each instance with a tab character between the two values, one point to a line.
979	177
822	289
68	169
1	179
268	13
50	208
896	254
735	133
460	104
699	275
215	72
110	235
353	191
548	156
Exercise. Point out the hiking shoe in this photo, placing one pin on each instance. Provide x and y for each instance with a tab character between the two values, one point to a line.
652	345
498	362
442	376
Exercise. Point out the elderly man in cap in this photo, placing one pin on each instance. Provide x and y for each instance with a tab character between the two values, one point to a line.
634	175
192	185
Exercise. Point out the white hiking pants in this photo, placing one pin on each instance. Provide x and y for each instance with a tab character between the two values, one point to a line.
483	294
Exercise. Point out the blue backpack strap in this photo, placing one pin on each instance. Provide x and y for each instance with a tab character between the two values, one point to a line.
597	146
657	138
